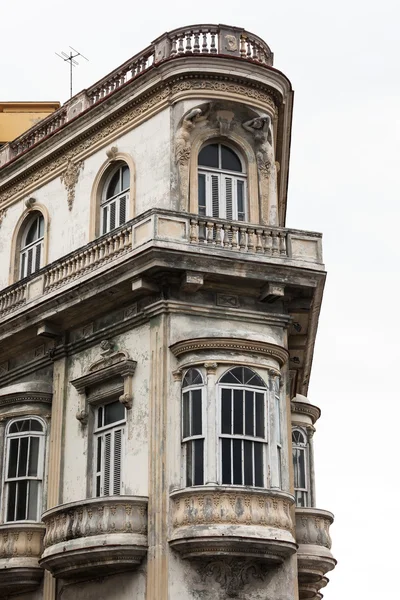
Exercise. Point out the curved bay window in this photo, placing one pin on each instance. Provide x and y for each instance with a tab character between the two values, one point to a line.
32	246
115	199
193	433
221	183
301	488
25	440
243	430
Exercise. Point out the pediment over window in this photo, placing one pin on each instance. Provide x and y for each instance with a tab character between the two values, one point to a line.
107	367
26	393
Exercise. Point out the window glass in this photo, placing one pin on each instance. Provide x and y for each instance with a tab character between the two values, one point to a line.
125	178
230	160
113	412
114	186
209	156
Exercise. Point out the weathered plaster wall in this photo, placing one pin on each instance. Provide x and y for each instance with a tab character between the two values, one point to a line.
136	343
123	586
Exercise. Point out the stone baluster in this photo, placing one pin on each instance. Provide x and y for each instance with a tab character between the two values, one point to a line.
204	46
227	230
275	243
210	230
242	46
213	48
242	238
181	49
259	242
267	242
218	236
250	239
196	47
283	244
194	233
235	237
188	42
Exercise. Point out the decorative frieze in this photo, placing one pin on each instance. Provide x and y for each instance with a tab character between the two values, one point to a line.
98	535
230	521
70	178
21	546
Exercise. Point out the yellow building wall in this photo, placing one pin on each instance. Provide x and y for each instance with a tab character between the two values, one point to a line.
18	117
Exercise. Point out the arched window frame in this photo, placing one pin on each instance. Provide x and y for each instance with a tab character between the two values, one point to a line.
32	507
100	184
194	425
31	252
20	231
113	210
222	192
301	474
257	443
241	146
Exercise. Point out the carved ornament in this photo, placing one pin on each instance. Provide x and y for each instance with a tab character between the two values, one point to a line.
112	152
3	213
232	574
231	344
70	178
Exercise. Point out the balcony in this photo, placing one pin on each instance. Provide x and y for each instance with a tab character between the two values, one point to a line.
99	536
314	554
231	521
191	41
20	549
167	231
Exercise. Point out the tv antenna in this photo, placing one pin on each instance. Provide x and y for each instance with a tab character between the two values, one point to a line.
72	63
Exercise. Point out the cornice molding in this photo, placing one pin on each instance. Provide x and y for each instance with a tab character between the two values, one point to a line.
117	364
231	344
127	117
26	393
305	408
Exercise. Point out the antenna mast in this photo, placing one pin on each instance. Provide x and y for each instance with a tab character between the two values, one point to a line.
72	63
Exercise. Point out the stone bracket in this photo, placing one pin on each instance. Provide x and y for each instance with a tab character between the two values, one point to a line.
271	292
192	281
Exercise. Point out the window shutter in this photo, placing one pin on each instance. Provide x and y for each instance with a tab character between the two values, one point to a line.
107	464
30	260
228	198
117	462
112	215
215	195
37	257
105	210
122	210
23	260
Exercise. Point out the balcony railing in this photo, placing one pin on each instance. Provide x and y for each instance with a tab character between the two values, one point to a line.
314	557
95	536
21	545
166	228
229	521
194	40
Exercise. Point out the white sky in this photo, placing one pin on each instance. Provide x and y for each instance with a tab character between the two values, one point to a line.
342	59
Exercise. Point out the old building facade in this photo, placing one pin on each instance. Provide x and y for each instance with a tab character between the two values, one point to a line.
157	331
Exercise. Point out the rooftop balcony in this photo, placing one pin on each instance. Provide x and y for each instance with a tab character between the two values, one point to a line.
230	521
99	536
314	554
191	41
21	545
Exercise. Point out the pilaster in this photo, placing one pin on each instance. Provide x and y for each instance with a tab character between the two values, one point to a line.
212	435
157	562
55	454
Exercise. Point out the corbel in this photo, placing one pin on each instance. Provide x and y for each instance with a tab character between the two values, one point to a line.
127	397
143	287
192	281
271	292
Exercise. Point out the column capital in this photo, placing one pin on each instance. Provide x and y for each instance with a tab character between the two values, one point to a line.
211	367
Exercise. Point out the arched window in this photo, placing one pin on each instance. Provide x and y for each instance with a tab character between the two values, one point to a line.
24	469
222	183
243	429
32	245
115	198
193	433
299	445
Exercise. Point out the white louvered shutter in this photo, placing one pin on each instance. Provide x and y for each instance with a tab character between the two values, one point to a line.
122	210
215	195
228	197
37	257
117	462
107	463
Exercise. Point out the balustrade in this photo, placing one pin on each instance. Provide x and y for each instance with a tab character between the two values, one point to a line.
242	238
21	545
98	535
231	521
314	557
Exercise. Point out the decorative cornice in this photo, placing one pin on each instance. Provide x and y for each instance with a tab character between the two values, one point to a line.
231	344
305	408
90	141
105	368
26	393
